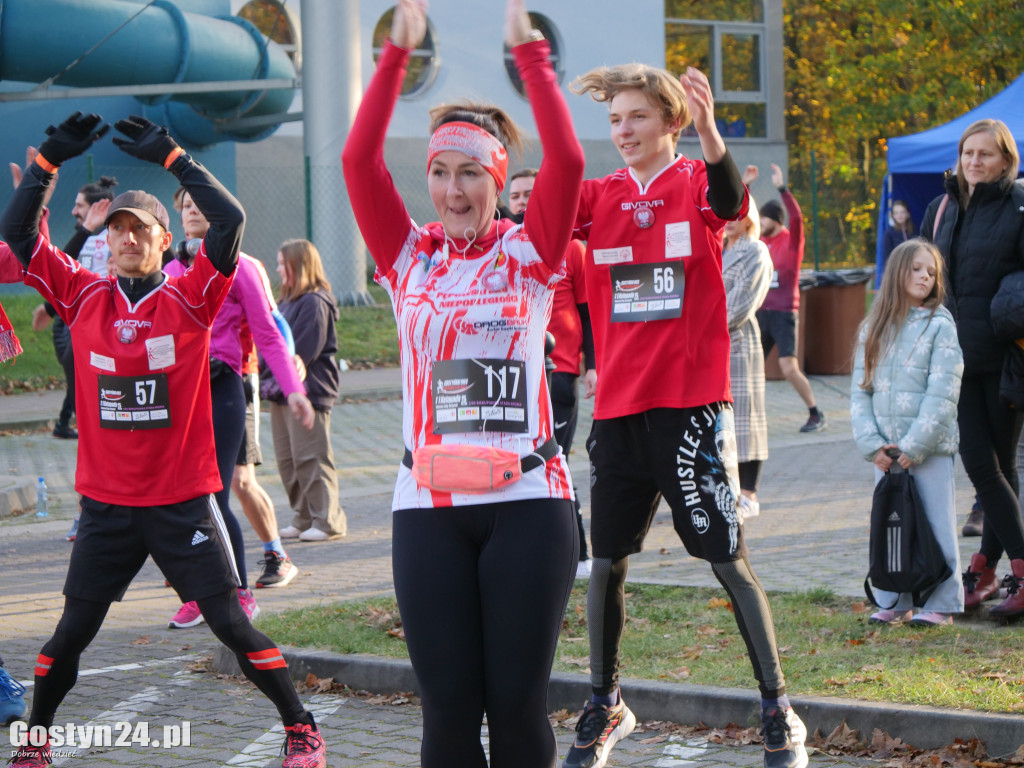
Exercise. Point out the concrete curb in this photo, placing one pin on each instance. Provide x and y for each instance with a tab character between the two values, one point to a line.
923	727
16	496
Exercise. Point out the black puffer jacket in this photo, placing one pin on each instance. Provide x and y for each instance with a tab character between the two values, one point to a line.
980	246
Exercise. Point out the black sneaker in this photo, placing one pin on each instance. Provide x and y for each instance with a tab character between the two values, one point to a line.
784	735
64	431
815	422
974	523
277	571
600	728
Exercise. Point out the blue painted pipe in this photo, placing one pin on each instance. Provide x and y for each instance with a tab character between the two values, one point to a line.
39	38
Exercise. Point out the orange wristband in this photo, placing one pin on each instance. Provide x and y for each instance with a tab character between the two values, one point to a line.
172	156
45	164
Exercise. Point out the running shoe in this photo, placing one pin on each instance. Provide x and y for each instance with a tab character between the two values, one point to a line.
889	616
188	615
784	735
73	533
815	422
31	757
291	532
248	603
277	571
583	568
931	619
975	521
304	746
748	507
12	698
64	431
315	534
599	729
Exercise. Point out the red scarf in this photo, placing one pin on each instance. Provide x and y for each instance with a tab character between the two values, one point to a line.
9	344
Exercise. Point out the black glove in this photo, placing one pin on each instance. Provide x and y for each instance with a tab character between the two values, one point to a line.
71	138
146	140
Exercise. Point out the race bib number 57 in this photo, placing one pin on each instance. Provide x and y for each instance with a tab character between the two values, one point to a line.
134	402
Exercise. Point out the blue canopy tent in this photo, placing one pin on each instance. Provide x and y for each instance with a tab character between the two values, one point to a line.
917	162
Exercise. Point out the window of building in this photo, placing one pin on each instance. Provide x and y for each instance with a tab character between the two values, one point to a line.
423	62
547	28
277	22
725	40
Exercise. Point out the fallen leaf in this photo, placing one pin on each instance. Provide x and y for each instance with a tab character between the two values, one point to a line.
144	640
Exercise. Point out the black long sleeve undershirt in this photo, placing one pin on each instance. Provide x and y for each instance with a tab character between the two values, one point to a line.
589	360
19	224
725	187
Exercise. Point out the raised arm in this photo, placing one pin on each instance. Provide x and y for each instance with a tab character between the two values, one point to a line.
151	142
19	224
552	211
376	204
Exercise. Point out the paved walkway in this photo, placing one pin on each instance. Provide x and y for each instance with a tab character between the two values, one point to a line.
812	532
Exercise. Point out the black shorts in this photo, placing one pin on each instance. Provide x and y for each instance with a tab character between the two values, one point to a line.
187	540
778	328
687	455
249	452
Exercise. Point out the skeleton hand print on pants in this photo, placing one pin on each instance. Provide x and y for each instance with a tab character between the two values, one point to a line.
726	503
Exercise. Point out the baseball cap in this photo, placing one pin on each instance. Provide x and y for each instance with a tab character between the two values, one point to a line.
773	210
149	210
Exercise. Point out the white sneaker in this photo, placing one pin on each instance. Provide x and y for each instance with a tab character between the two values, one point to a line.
749	507
315	534
291	532
583	569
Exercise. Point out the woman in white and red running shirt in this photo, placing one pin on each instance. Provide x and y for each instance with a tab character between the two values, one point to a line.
481	578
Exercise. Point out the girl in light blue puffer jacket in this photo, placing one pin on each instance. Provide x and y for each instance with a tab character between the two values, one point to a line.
903	398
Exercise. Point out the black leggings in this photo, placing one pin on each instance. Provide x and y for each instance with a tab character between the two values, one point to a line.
565	407
57	666
750	474
606	619
989	432
228	397
482	590
66	358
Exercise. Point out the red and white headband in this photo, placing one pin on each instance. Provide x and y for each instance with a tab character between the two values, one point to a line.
475	142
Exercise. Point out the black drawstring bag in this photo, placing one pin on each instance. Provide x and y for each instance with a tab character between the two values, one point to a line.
903	554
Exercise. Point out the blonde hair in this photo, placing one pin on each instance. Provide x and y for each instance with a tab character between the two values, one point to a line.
753	222
890	308
1004	140
662	89
307	270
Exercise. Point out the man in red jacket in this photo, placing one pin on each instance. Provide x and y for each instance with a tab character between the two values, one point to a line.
778	314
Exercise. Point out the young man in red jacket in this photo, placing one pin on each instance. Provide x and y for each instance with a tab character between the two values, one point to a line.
778	314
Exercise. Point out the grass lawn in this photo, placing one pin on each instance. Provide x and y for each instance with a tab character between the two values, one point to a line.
366	339
689	635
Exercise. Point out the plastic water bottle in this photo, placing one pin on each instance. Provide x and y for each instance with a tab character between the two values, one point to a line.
41	510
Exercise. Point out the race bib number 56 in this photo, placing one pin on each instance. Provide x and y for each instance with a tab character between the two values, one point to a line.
643	292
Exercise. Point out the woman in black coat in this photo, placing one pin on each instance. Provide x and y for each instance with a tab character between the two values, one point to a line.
978	226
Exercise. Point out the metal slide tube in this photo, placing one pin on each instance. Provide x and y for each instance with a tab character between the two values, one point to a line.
39	38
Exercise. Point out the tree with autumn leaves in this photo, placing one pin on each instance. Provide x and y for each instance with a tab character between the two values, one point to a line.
861	71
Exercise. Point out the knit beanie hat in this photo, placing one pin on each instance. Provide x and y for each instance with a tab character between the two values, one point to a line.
773	210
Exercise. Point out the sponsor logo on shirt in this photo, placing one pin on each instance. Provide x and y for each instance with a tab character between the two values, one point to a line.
631	206
453	386
501	324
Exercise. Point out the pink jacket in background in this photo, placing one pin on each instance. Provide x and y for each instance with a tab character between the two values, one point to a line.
249	298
